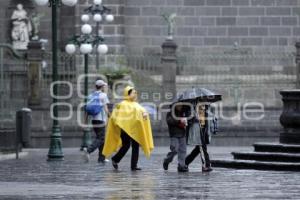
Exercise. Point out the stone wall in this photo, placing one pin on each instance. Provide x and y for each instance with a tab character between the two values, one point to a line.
3	6
212	23
202	26
200	23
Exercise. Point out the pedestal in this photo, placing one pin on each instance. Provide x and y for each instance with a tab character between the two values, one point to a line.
290	117
35	57
169	67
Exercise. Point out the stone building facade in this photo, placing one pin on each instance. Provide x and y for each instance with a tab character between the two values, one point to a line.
200	24
214	23
202	27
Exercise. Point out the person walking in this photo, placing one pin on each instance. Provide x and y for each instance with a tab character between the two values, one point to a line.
177	123
199	135
129	125
99	112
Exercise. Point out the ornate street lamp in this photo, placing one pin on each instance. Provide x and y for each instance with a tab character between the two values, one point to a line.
86	43
55	149
100	13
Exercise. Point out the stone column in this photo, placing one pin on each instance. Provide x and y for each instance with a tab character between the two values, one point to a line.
169	66
35	57
290	117
298	64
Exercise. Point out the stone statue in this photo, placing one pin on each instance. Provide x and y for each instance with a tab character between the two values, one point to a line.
170	19
36	22
21	28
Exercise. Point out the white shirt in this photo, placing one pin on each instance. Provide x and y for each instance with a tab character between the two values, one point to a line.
104	101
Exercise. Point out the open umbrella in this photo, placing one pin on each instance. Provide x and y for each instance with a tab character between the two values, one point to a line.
198	95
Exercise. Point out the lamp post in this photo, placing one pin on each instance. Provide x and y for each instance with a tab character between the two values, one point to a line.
86	42
55	149
99	13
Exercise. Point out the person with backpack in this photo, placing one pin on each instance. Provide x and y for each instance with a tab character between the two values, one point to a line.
200	129
96	108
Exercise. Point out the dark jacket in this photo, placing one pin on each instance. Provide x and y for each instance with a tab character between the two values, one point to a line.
176	129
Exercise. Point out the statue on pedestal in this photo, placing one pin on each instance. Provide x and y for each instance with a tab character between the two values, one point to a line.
170	19
36	22
21	28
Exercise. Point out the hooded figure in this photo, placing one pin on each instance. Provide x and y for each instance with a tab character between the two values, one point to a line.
129	124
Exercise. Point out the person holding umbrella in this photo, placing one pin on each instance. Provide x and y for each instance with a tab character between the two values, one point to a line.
200	130
177	123
202	125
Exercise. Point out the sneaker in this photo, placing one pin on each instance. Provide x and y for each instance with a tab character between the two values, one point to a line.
86	155
103	161
114	164
182	169
206	169
165	165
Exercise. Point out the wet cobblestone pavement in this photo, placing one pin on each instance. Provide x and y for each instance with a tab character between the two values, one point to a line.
35	178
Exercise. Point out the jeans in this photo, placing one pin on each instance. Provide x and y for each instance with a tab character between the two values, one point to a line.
126	142
98	143
177	146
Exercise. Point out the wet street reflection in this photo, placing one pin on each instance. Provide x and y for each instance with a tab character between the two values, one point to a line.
34	178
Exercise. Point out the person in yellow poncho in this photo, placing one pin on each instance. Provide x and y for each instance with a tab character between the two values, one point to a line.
129	124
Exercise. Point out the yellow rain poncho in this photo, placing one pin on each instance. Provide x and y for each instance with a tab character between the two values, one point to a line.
128	115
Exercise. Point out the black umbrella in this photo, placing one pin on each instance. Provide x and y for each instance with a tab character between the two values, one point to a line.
198	95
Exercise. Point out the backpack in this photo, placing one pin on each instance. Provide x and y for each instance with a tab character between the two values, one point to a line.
93	106
213	122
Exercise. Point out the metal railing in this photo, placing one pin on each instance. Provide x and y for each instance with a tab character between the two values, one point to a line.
231	67
245	69
67	71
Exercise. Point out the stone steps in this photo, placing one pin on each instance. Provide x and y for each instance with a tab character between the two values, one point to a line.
276	147
267	156
257	165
